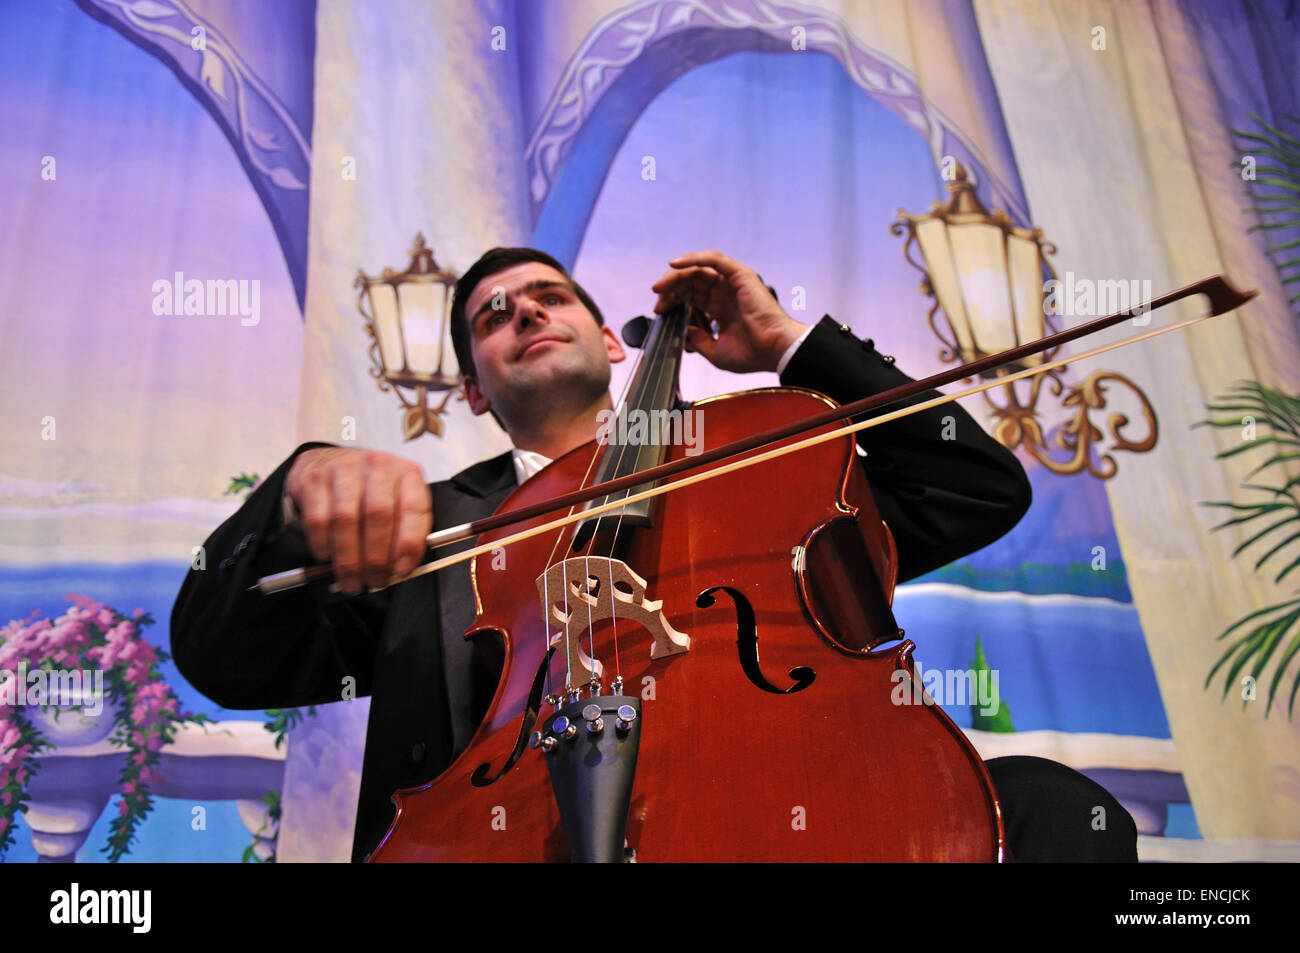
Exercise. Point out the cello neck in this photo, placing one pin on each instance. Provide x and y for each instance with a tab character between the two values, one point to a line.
635	436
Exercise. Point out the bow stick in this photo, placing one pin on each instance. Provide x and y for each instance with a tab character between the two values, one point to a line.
1223	297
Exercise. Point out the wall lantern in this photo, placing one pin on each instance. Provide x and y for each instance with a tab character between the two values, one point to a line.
407	317
986	275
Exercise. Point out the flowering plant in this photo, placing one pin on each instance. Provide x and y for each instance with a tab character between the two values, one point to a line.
19	745
89	636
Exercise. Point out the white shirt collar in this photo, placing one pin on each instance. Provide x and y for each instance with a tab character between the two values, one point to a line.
527	463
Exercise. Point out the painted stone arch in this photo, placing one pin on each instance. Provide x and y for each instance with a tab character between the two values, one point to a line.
634	54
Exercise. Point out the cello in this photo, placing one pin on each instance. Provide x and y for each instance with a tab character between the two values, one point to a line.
800	753
738	654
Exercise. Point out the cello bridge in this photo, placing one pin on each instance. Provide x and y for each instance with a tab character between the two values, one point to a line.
578	592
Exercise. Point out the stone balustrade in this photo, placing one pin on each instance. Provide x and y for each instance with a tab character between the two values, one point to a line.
223	761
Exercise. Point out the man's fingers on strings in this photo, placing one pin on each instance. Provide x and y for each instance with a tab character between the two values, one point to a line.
680	288
735	280
704	284
702	322
675	276
711	291
685	284
711	258
697	339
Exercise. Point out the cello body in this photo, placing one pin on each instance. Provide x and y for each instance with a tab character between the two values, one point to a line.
797	736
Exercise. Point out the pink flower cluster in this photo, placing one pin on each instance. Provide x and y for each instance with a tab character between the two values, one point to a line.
155	708
61	641
13	761
91	635
123	648
66	641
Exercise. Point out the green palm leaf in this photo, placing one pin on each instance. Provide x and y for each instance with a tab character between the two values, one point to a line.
1282	545
1252	444
1244	649
1274	188
1273	461
1268	637
1260	535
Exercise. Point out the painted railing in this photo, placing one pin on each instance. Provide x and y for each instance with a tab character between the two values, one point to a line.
223	761
238	760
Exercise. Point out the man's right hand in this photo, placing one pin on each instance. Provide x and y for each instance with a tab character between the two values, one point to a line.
365	511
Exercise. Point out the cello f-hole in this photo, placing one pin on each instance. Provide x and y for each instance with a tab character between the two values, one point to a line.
747	643
480	777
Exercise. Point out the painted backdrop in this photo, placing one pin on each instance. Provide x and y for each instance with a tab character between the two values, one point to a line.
276	148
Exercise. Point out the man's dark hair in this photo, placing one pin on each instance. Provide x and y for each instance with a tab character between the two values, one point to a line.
493	261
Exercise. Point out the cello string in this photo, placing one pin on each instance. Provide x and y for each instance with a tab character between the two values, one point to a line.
654	358
560	537
547	607
618	526
657	364
660	368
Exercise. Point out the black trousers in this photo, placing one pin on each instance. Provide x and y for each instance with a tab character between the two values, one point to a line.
1054	813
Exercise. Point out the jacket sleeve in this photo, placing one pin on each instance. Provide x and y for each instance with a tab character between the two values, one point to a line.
944	487
244	649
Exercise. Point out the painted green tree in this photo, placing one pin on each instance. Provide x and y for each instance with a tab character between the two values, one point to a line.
245	483
1000	718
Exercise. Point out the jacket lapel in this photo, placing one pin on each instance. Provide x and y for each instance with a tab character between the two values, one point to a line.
488	477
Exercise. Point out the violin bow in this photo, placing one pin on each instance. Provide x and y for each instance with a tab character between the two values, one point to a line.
1223	297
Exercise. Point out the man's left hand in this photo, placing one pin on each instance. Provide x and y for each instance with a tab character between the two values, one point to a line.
753	331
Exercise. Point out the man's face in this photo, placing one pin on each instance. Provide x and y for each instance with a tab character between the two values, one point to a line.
532	339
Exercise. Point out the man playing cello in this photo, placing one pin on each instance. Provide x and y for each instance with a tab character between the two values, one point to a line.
535	352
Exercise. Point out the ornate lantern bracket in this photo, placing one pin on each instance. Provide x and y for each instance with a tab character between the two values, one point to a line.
407	317
986	276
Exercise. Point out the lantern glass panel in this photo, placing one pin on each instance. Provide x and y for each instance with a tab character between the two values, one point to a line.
932	235
422	324
1026	268
980	254
383	305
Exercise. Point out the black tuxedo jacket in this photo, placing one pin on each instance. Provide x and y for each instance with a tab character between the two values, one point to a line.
944	487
